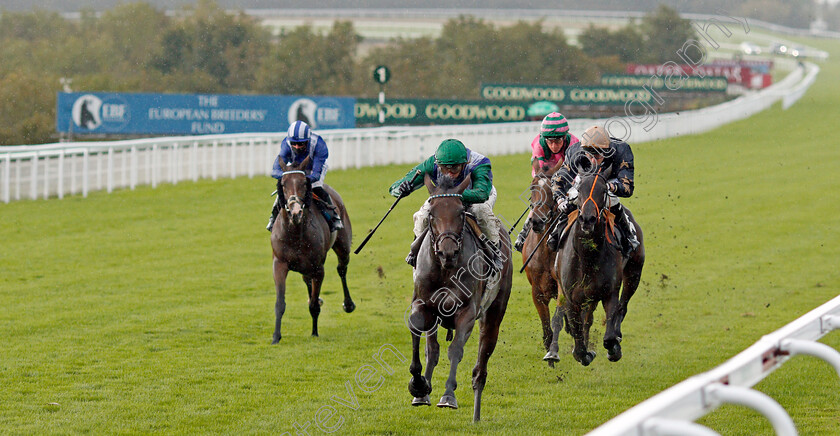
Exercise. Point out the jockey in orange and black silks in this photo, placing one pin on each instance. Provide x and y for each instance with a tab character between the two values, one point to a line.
597	151
454	160
300	143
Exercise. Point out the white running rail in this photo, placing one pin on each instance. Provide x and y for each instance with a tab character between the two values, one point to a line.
56	170
672	411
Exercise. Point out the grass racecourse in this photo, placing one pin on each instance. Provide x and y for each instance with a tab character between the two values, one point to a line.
151	311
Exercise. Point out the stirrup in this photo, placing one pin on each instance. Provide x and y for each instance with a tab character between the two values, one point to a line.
270	225
411	260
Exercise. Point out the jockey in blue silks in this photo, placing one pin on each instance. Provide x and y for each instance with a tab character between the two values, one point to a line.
299	144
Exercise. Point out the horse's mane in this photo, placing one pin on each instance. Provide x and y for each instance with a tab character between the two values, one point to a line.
445	184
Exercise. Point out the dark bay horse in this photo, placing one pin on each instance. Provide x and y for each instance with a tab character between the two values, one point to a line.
300	241
543	285
452	279
591	269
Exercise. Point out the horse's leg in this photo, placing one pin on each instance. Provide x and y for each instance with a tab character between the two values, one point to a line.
488	337
574	318
632	276
315	296
542	311
463	327
281	270
418	386
432	356
308	282
342	250
587	312
612	341
556	326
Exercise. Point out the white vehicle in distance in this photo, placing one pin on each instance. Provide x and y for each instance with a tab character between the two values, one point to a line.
778	48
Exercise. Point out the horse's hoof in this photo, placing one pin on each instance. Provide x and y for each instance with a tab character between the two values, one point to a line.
448	401
349	307
587	358
614	353
551	356
275	340
550	364
418	387
424	401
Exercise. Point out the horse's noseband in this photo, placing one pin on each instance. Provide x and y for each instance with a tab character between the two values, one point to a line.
295	199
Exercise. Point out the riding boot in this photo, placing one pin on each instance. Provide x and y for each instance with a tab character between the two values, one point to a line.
333	216
275	209
553	242
520	239
630	242
411	259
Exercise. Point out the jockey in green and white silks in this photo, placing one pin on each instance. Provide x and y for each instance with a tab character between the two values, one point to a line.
454	160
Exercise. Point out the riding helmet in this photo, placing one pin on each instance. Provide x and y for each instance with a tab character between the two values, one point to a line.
554	125
299	132
595	138
451	152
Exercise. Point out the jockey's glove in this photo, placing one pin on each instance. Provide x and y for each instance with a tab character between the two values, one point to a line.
405	188
563	204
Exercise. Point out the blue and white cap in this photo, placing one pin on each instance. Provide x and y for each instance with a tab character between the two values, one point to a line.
299	132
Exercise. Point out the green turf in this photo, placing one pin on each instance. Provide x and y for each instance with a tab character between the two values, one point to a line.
151	311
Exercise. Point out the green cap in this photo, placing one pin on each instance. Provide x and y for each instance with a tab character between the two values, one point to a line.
451	152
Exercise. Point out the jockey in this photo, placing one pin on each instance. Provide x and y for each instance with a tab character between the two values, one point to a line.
454	160
597	152
299	143
547	150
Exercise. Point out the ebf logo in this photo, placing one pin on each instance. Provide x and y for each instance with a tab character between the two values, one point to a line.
90	113
327	113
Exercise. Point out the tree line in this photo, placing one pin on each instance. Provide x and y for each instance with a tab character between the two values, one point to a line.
135	47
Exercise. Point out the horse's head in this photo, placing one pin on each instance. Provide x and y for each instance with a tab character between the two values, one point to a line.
446	218
541	200
297	190
592	200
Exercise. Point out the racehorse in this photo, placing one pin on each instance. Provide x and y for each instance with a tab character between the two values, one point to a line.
591	269
543	285
300	241
452	279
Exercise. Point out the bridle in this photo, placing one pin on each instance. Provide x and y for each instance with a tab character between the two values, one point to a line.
437	239
294	198
534	205
598	210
